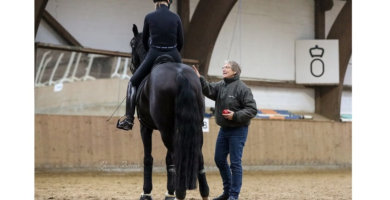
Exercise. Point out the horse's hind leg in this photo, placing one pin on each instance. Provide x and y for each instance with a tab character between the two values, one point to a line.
146	134
170	176
167	138
180	193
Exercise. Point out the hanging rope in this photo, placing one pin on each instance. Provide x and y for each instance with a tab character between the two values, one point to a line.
117	107
238	21
119	92
239	28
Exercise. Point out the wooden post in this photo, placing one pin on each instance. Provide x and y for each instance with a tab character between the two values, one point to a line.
319	26
328	98
183	9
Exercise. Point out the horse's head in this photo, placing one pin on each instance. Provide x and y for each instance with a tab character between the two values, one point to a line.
137	49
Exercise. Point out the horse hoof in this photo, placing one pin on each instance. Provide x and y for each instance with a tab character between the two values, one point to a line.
205	198
169	196
145	197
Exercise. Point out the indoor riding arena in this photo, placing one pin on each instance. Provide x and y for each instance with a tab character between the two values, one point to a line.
295	57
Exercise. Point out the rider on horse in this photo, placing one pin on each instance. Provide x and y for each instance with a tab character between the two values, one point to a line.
162	34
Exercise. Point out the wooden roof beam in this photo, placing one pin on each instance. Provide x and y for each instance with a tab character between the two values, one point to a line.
59	29
39	8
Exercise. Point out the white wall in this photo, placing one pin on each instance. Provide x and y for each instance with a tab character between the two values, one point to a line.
46	34
346	103
99	24
268	33
348	74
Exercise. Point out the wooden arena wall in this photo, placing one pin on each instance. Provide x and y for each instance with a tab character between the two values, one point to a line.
74	143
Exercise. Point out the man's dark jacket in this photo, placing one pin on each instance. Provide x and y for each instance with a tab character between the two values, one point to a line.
232	94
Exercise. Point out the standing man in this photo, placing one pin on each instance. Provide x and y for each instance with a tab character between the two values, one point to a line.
234	108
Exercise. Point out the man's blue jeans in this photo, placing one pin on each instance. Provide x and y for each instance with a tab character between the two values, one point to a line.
230	141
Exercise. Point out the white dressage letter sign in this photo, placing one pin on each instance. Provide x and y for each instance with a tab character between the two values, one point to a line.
317	62
205	126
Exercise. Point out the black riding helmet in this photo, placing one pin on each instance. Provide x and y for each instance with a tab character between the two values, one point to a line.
169	1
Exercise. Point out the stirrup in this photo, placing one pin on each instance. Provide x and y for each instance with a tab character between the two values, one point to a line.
126	124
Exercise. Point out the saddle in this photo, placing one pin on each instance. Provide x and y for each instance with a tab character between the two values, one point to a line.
143	115
162	59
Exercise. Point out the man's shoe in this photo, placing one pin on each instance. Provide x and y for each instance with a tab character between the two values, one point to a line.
223	196
232	198
126	124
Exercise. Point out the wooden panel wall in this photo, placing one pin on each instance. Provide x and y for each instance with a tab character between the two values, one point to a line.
90	143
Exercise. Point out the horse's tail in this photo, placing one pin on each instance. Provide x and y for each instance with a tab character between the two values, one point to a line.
188	136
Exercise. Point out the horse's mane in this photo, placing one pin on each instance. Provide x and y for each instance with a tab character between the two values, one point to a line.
137	50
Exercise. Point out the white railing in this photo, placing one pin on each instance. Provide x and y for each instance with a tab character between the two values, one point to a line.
55	59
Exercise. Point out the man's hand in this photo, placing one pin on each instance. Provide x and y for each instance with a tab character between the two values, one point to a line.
229	115
196	70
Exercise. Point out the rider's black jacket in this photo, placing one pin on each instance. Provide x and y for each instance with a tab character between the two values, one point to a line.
162	34
162	29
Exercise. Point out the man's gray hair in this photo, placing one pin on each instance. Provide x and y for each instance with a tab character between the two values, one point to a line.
235	66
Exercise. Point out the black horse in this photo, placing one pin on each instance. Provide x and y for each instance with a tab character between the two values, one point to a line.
170	100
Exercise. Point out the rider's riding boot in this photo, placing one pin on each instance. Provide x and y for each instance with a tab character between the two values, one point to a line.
128	122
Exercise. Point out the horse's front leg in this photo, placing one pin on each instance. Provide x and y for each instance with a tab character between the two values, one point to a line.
146	134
